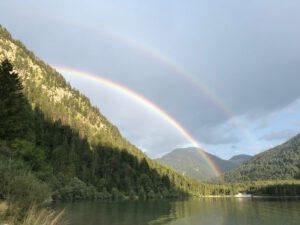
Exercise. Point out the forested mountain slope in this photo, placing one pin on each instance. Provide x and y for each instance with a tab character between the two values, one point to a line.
190	162
279	163
46	88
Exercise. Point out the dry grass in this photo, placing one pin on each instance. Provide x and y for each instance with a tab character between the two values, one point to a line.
34	216
43	217
3	207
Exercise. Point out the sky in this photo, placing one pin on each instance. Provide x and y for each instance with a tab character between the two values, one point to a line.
228	71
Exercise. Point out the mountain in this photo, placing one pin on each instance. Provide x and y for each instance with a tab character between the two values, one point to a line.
239	159
279	163
46	88
190	162
69	144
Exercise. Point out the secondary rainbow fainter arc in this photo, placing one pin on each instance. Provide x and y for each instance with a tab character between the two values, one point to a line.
146	102
179	70
164	60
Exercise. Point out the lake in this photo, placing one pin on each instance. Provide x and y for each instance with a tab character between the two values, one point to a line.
210	211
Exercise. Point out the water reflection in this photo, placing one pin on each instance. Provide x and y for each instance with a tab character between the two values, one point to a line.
121	213
192	212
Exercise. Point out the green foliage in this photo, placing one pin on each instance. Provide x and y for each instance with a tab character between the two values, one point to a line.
116	195
13	105
151	195
77	190
19	186
269	188
28	152
141	194
26	188
279	163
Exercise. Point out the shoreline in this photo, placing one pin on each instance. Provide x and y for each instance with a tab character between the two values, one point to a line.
250	197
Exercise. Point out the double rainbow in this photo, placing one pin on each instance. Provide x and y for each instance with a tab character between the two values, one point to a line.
178	70
142	100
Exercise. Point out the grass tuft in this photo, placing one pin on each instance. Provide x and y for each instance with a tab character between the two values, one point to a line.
44	216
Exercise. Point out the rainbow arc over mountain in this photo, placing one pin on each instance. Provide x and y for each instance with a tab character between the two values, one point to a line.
176	68
150	105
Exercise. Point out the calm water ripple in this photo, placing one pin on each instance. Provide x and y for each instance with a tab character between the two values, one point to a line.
205	211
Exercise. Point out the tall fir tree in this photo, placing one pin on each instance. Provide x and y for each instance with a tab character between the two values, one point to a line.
14	108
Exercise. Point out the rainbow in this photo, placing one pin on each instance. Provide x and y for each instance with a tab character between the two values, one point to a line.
165	60
188	76
142	100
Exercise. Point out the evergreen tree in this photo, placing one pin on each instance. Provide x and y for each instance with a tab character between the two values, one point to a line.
14	109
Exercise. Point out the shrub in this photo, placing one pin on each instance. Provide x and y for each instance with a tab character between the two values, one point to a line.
25	189
116	195
77	190
19	186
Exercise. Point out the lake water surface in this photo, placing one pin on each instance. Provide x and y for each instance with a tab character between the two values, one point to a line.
206	211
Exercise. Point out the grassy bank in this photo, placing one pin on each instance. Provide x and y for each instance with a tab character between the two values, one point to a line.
24	196
33	216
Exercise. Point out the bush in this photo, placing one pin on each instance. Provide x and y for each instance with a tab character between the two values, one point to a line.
19	186
77	190
116	195
25	189
104	195
151	195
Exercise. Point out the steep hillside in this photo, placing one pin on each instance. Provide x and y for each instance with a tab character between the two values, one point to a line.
279	163
189	162
47	89
76	141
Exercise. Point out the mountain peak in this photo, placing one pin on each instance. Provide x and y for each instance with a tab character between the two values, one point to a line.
239	159
190	161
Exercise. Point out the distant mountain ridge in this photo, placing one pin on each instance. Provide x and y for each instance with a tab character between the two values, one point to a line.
279	163
190	162
239	159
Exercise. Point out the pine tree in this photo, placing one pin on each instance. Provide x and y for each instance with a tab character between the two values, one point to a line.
14	109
